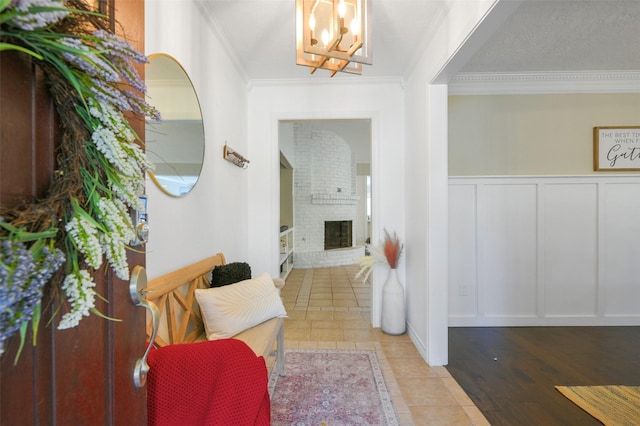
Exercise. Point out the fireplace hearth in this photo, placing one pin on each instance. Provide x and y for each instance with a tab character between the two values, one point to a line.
337	234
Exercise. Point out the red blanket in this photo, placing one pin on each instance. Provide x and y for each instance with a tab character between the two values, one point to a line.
219	382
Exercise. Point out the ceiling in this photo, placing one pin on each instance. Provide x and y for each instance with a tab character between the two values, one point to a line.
261	34
556	35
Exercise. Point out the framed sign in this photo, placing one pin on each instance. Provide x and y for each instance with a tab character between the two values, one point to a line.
616	148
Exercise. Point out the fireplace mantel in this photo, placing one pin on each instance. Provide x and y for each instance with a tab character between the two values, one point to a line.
334	198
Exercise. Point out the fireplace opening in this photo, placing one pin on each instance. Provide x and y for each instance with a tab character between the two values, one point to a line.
337	234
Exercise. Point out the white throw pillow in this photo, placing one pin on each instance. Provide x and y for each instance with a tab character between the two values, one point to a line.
232	309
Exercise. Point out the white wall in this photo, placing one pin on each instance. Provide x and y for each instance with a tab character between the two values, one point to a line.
213	217
426	168
382	101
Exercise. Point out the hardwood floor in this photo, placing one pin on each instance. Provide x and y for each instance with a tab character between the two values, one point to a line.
510	372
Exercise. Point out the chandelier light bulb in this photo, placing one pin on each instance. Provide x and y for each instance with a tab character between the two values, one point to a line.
325	37
341	8
355	27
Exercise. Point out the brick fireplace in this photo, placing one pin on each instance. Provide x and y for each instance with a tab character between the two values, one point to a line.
325	199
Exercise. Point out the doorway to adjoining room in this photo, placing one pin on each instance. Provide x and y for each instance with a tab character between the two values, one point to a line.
325	192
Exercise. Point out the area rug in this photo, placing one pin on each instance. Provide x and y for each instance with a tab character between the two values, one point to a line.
334	387
612	405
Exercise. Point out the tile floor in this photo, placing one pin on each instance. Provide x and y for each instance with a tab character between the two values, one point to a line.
329	309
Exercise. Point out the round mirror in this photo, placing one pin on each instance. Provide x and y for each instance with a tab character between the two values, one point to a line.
174	145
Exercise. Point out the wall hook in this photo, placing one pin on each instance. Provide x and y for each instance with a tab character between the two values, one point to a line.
234	157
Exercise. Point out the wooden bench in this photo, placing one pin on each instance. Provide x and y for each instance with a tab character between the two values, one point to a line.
181	321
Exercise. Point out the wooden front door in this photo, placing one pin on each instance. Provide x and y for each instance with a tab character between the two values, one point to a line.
84	375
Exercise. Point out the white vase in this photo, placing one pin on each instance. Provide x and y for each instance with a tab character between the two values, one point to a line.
393	309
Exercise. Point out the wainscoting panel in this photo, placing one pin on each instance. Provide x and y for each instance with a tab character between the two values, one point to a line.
544	250
506	244
569	238
463	289
621	249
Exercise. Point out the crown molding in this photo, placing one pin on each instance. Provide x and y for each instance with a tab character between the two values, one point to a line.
311	82
545	83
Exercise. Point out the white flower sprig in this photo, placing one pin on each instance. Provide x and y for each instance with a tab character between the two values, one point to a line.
79	289
84	233
119	234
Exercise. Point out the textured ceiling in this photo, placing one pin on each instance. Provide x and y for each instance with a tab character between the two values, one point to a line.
561	36
556	35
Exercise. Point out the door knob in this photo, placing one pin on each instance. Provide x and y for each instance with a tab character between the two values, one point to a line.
138	291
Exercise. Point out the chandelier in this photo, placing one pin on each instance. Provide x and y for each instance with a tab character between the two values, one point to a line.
333	34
